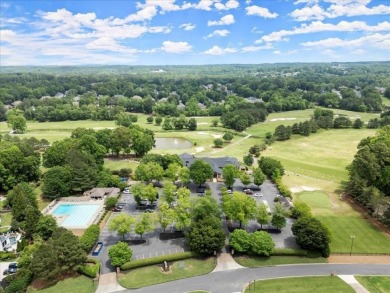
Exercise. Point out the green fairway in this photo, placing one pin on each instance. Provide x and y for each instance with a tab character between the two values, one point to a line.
300	285
375	284
79	284
261	261
317	200
151	275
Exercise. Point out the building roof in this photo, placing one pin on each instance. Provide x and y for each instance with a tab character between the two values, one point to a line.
216	163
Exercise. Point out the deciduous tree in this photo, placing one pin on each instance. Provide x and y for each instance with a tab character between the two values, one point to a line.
119	254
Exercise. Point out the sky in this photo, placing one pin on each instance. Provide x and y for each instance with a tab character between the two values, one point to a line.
192	32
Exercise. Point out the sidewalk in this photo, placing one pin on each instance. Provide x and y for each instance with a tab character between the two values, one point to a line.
360	259
225	262
351	281
108	283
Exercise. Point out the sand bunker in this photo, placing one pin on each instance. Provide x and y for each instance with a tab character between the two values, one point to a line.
282	119
301	188
203	133
198	150
216	135
202	123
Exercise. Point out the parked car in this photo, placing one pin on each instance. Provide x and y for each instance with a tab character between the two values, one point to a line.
258	194
229	191
148	211
117	209
248	191
12	268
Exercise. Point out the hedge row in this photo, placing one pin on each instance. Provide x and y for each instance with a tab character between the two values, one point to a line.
157	260
90	270
283	189
4	255
91	235
289	252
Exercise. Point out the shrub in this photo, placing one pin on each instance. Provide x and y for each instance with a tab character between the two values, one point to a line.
4	255
110	202
157	260
300	209
91	235
283	189
20	282
90	270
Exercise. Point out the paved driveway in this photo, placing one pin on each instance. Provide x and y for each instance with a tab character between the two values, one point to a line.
234	281
3	267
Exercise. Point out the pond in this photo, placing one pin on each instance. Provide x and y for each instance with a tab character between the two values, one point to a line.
166	143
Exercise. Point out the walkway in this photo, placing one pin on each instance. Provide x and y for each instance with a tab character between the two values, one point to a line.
351	281
225	262
108	283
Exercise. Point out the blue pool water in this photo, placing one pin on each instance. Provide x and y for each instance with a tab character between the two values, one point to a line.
78	215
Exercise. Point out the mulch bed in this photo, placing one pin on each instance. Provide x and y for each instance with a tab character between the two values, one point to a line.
172	235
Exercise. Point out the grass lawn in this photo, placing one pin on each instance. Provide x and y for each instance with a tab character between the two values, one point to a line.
261	261
301	285
5	221
386	102
80	284
120	163
152	275
375	284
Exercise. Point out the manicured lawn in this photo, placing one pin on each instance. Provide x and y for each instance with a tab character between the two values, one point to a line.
301	285
258	261
120	163
375	284
152	274
315	199
79	284
5	221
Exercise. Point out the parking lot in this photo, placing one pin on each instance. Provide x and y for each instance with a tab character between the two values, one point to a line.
155	247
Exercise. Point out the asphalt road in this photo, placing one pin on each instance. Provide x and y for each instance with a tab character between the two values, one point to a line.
234	281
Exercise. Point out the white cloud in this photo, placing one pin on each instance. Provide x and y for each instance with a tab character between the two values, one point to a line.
7	36
144	14
359	52
318	26
219	33
108	44
260	11
176	47
159	29
187	26
216	50
203	5
337	9
225	20
375	40
165	5
230	4
5	51
277	52
256	48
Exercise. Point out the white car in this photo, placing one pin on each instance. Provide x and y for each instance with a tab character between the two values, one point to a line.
259	194
126	191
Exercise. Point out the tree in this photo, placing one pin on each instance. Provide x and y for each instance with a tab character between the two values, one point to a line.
192	124
165	215
300	209
57	182
358	124
282	132
229	173
214	122
248	160
149	171
184	175
172	172
239	207
121	224
119	254
245	178
61	254
228	136
240	240
269	166
158	120
21	198
89	238
261	243
278	218
203	207
137	190
110	202
142	141
181	213
150	193
262	215
258	176
206	236
200	171
46	226
342	122
123	119
218	143
146	223
169	191
17	122
311	234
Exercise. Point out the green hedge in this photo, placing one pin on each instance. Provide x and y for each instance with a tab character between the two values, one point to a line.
4	255
157	260
91	235
283	189
289	251
90	270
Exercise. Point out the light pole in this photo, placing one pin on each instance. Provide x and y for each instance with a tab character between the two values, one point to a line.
352	239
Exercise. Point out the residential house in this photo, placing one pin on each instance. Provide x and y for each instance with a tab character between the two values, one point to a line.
9	241
101	193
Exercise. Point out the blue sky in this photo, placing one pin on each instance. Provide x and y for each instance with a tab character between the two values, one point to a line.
164	32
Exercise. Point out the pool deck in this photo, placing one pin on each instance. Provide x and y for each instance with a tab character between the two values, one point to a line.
82	200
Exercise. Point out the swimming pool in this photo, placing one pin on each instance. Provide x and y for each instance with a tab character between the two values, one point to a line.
78	215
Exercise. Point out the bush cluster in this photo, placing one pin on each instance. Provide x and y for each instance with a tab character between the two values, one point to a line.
90	270
4	255
157	260
283	189
91	235
20	282
258	243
